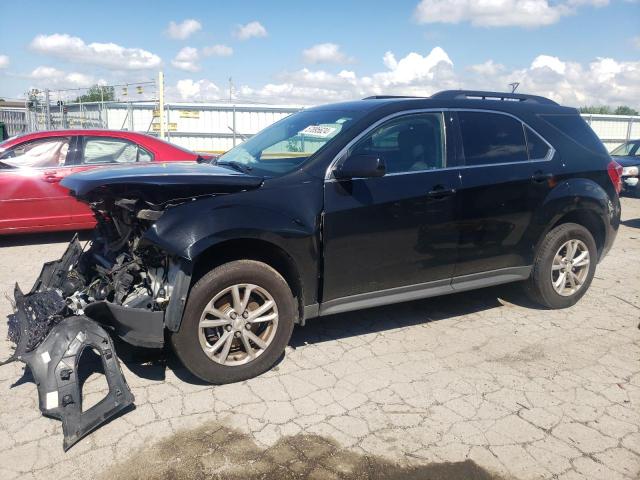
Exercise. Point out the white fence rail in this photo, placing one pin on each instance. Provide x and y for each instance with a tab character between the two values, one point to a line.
217	127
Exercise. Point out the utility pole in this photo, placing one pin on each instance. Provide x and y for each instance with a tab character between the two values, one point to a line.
161	102
230	89
47	120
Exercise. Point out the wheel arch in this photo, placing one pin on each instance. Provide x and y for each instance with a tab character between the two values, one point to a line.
581	201
252	249
589	220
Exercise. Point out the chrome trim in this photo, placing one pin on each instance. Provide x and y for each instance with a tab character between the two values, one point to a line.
329	172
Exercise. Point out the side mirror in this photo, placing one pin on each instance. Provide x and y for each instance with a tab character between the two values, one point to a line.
360	166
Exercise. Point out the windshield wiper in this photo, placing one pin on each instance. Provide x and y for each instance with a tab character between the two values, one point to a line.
237	166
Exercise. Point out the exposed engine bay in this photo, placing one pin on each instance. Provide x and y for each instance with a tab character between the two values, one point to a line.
117	285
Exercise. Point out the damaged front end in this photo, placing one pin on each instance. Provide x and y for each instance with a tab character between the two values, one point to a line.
116	285
120	283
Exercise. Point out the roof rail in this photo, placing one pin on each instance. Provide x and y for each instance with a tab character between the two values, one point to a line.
482	95
378	97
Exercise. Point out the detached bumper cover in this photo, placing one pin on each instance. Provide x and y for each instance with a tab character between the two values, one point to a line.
51	345
54	365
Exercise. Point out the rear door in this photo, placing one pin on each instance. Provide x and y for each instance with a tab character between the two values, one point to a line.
30	193
506	176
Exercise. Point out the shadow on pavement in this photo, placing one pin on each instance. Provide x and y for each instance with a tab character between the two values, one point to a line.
25	239
631	223
408	314
151	364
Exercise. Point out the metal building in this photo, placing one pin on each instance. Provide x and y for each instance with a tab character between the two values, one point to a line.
215	127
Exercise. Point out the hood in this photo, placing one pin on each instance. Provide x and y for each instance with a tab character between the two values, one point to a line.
158	182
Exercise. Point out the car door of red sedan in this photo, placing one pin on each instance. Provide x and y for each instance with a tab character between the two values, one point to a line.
31	197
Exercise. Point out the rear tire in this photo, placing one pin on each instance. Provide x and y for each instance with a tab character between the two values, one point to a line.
560	278
215	299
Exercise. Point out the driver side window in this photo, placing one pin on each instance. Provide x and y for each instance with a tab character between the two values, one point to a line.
410	143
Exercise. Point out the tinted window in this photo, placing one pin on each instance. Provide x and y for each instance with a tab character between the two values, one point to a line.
99	150
489	138
406	144
536	147
45	153
578	130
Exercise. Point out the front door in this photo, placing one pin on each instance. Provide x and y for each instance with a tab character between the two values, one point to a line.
30	192
399	230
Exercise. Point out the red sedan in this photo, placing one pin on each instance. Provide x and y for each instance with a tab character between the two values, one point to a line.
32	165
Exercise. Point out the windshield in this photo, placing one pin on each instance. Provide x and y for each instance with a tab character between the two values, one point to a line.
288	143
629	149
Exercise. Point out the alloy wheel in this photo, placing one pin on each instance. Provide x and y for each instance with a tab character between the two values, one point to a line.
570	267
238	324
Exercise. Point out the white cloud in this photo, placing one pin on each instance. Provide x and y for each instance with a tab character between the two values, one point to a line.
182	30
109	55
325	53
250	30
552	63
187	59
217	51
603	81
499	13
488	68
51	77
190	90
4	61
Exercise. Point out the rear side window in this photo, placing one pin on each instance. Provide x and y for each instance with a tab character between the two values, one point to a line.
536	147
578	130
99	150
489	138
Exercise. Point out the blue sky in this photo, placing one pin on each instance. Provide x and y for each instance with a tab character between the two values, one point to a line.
577	51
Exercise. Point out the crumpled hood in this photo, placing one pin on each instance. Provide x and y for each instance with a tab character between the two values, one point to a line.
158	182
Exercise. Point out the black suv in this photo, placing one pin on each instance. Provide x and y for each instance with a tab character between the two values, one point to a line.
338	208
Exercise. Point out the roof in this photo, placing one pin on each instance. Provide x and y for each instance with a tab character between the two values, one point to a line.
82	131
476	99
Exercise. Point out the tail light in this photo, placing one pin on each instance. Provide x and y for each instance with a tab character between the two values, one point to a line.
614	169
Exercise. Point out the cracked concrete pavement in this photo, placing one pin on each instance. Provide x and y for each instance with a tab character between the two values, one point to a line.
482	378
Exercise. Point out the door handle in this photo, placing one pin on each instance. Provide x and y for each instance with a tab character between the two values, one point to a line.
540	177
51	177
441	192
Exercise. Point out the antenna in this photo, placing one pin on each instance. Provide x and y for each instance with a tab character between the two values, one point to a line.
514	86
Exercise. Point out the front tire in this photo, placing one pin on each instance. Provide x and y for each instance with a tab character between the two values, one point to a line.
237	322
564	266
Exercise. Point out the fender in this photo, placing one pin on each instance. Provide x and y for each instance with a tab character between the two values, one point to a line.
255	214
574	195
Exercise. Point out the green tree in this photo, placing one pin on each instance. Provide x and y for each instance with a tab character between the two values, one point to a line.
606	110
600	110
98	93
625	110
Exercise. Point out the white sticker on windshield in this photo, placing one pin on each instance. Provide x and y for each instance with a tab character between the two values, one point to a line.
318	131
